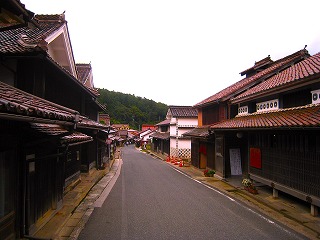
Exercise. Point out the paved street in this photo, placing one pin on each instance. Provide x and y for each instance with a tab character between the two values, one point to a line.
152	200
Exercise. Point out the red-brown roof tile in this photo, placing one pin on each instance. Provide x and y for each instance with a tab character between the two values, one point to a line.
258	64
303	69
241	85
306	116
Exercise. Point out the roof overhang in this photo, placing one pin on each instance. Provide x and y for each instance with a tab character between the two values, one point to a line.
306	117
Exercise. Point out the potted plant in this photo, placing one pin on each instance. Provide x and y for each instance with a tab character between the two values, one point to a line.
248	185
209	172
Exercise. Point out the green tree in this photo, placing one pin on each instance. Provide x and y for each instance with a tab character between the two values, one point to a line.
132	110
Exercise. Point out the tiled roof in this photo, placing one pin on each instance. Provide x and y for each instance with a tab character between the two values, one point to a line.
85	122
160	135
83	72
303	69
20	103
198	132
24	39
75	137
298	117
49	129
246	82
164	122
183	111
258	64
13	100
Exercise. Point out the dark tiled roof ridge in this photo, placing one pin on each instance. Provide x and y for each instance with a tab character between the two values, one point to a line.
50	17
24	39
246	81
183	111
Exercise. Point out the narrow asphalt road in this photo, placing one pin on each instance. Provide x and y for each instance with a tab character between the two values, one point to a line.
152	200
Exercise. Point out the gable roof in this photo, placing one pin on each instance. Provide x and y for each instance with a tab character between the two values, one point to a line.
84	72
293	118
24	39
51	38
245	83
298	73
183	111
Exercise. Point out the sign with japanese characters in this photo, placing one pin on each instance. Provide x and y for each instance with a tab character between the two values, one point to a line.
235	161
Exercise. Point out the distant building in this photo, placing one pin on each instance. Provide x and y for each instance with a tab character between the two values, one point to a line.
148	126
104	119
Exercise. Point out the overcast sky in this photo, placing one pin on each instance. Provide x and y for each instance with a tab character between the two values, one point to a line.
179	52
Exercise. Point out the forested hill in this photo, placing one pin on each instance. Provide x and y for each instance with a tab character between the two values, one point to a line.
132	110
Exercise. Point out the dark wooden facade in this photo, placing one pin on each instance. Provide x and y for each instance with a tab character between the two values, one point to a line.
289	158
280	147
161	145
277	147
38	164
203	153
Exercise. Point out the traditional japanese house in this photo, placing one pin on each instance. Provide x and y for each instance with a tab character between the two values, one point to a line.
217	108
179	120
276	132
144	137
161	138
48	121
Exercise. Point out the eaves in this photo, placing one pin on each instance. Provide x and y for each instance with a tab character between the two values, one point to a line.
280	89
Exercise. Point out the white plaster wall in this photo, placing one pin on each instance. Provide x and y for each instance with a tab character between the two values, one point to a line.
173	130
184	143
188	122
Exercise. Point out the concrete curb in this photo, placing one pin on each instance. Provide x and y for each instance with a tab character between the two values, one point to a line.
81	214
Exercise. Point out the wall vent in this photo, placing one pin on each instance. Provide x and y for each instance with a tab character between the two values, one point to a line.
315	96
243	110
268	105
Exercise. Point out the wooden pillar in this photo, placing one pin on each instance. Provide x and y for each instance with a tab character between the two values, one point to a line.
314	210
275	193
